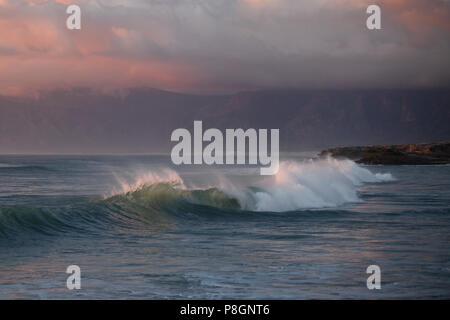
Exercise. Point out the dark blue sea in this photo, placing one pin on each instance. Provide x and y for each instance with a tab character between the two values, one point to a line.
141	228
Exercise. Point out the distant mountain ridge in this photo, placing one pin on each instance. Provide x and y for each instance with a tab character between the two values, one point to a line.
140	120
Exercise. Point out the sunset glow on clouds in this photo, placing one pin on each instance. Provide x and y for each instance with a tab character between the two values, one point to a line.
222	45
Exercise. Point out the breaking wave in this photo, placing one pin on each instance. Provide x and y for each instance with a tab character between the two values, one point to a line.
312	184
152	196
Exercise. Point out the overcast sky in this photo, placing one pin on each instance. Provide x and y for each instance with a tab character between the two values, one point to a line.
216	46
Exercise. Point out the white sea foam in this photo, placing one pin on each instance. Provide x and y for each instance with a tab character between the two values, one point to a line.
311	184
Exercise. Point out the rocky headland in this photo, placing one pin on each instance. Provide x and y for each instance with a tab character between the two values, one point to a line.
402	154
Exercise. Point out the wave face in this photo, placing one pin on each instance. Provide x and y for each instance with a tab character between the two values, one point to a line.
151	196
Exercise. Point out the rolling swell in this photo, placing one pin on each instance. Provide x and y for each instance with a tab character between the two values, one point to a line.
146	207
23	168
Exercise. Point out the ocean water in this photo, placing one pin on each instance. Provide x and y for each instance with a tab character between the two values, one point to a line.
140	228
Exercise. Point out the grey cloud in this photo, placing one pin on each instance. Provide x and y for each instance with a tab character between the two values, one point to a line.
236	44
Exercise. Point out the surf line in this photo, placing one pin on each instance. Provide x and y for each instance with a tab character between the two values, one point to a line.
252	140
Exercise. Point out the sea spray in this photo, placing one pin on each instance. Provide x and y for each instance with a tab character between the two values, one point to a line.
132	180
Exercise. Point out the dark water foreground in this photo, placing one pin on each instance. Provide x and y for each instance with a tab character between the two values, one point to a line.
139	229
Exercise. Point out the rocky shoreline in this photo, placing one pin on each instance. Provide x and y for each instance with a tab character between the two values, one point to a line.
402	154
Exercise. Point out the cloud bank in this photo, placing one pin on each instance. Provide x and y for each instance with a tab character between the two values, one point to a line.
223	45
